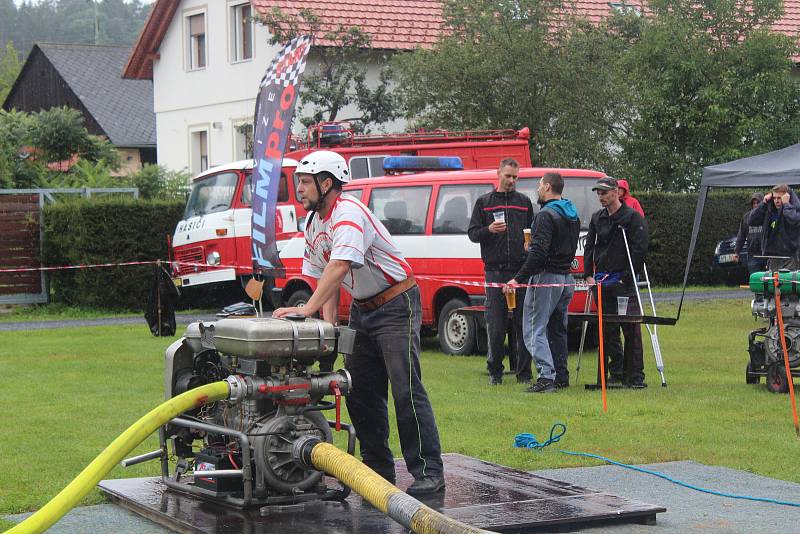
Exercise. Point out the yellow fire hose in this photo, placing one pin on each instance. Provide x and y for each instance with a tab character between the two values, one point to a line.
387	498
384	496
116	452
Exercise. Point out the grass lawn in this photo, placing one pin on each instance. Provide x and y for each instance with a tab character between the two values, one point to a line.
67	393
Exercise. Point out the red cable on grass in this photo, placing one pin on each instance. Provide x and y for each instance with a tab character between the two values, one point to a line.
789	380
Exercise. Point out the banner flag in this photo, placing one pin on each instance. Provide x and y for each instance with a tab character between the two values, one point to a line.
277	95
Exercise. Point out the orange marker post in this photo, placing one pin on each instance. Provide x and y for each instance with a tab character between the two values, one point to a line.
789	380
602	351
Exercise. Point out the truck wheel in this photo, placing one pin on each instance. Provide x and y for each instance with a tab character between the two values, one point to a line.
776	379
749	377
298	298
457	331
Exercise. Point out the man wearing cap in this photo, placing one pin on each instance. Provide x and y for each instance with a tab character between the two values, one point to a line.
346	245
751	234
614	231
779	214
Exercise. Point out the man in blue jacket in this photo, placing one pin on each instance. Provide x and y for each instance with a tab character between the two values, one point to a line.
555	230
780	216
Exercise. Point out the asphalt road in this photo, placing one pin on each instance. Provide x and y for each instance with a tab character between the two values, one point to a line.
186	318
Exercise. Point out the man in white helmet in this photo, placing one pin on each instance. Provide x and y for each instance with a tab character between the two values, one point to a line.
347	245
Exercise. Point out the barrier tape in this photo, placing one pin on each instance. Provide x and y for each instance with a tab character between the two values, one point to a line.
87	266
580	286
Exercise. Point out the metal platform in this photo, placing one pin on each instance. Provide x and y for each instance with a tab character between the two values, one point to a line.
479	493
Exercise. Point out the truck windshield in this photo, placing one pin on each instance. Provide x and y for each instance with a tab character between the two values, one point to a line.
211	195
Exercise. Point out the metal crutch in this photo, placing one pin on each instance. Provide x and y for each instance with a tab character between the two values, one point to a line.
652	332
584	327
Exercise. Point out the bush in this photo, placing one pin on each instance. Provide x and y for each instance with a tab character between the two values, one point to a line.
155	181
106	230
670	217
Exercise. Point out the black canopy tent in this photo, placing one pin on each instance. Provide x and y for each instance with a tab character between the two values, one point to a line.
763	171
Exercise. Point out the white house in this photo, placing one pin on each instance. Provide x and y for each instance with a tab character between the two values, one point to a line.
206	59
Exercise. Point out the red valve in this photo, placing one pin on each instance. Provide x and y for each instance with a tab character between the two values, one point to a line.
337	393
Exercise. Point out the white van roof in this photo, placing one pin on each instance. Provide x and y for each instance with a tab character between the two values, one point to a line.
241	165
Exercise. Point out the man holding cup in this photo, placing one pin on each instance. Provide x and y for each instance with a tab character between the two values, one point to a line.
498	219
616	231
556	230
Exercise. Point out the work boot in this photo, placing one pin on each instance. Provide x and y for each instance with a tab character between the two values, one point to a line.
426	485
637	384
495	380
543	385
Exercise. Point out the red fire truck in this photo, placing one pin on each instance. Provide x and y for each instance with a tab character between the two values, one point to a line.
211	245
428	215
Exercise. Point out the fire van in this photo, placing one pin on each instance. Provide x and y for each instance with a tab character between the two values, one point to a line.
428	215
211	245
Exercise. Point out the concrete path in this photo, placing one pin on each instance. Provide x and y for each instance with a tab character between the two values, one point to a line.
687	510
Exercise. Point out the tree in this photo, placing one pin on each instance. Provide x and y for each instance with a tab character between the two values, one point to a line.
31	143
341	78
504	64
710	83
9	69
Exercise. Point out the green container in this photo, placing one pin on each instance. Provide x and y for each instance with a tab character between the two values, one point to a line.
763	283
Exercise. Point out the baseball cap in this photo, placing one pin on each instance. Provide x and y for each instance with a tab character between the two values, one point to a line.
605	184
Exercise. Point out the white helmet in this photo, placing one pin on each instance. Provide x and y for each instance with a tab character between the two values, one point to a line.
324	160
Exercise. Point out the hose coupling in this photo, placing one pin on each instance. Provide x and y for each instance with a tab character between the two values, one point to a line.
301	451
238	388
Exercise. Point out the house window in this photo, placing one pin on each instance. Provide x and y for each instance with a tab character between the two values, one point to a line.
199	150
241	32
625	9
197	41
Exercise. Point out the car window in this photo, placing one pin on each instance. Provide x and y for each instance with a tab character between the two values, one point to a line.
454	207
247	190
356	193
576	189
366	166
403	210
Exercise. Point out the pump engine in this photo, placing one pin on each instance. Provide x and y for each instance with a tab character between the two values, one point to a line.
766	351
240	451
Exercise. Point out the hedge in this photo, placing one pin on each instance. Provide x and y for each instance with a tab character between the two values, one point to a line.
110	230
670	217
120	230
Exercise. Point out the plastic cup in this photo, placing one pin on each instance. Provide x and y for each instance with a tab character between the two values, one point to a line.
622	305
528	236
500	216
511	300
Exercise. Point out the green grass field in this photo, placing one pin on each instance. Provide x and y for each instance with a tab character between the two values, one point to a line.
67	393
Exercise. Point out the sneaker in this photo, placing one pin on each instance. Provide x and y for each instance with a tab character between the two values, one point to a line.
495	380
426	485
637	384
543	385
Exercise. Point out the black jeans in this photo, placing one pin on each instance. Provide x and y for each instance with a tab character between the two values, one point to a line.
497	324
626	365
387	351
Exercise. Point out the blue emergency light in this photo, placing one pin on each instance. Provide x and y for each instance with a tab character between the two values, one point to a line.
394	164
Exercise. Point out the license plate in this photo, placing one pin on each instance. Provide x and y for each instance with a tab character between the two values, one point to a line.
727	258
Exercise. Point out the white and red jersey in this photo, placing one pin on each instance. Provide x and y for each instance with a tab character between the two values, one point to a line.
352	232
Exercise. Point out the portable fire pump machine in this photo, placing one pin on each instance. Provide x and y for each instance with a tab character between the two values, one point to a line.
766	351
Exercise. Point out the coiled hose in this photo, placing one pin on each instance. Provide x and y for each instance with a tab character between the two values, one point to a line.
387	498
116	452
384	496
